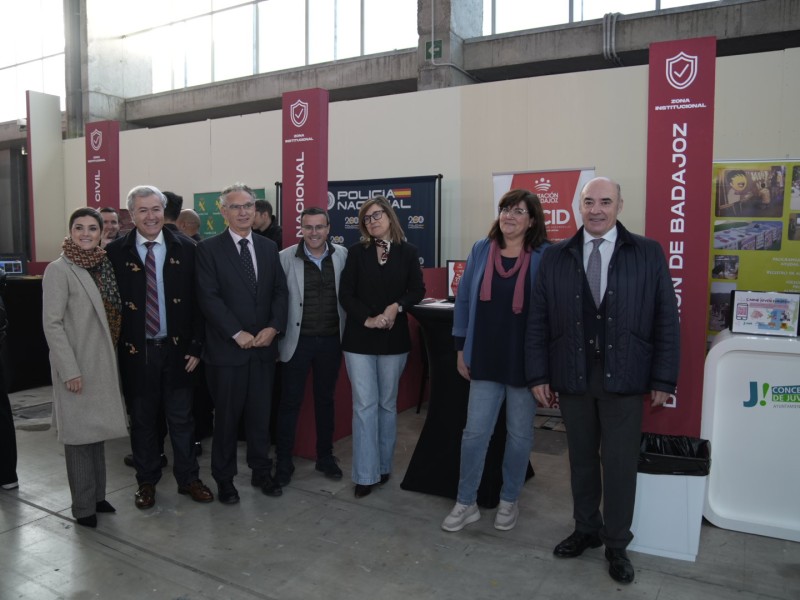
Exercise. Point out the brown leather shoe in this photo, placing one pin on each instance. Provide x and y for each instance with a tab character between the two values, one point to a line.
146	496
198	491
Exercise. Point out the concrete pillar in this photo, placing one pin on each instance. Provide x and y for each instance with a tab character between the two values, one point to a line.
453	22
100	70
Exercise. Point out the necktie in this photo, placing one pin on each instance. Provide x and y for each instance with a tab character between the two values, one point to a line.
152	320
247	262
593	271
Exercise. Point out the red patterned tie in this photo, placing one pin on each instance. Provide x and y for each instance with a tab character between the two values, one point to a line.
152	319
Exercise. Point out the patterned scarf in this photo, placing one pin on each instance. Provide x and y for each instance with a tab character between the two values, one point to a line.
495	264
386	246
99	267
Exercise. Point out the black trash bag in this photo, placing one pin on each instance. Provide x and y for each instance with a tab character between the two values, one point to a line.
661	454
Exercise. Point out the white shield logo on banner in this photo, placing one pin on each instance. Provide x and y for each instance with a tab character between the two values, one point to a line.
299	113
96	139
681	70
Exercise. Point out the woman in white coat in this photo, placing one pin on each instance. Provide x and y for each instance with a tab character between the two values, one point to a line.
81	318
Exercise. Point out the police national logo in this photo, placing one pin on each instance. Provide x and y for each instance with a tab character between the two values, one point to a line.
299	113
96	139
331	200
681	70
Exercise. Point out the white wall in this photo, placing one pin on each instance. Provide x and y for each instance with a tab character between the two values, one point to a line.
593	119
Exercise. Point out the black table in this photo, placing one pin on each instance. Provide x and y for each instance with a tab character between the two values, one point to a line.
435	464
26	352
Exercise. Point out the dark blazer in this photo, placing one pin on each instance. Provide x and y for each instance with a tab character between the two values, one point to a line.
184	320
642	329
367	288
229	304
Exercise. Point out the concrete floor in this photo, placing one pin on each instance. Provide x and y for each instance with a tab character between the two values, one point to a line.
318	541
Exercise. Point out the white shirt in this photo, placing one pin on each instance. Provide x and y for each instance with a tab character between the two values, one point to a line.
606	250
236	237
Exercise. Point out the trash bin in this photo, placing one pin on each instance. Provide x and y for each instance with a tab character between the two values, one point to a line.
670	491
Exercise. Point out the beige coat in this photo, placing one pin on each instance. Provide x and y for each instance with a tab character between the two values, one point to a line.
77	332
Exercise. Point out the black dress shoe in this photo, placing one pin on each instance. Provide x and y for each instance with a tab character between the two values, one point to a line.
104	507
576	543
270	487
284	472
90	521
385	477
619	567
363	490
328	467
145	496
226	492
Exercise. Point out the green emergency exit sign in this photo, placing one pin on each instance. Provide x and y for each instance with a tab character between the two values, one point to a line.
433	50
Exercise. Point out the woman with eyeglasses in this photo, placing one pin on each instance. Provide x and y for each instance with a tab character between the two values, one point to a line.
381	279
81	316
491	312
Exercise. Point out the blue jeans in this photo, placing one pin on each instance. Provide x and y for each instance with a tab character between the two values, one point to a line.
374	379
485	400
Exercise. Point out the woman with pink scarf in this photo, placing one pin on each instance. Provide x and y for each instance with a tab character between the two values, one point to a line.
491	312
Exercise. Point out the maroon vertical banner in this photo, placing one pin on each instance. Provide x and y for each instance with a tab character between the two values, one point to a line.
305	158
680	138
102	164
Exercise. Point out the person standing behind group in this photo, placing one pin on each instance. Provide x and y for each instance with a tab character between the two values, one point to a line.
242	291
264	223
494	296
189	224
382	278
603	332
81	320
312	341
110	225
160	344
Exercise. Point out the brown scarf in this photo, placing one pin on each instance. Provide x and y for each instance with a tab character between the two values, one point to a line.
99	267
495	264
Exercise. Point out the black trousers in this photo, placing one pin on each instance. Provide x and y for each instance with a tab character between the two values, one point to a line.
603	433
161	393
323	357
8	439
240	391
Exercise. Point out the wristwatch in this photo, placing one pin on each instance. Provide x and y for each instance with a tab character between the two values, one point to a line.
399	307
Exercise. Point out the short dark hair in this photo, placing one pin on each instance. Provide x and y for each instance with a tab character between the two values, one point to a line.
173	208
315	210
108	209
264	206
86	211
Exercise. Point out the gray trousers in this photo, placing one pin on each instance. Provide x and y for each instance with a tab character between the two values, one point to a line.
86	472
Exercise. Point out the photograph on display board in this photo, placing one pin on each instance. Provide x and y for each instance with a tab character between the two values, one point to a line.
725	267
795	201
794	228
750	192
719	310
748	235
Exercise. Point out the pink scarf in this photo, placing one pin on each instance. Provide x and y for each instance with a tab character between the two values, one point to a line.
495	263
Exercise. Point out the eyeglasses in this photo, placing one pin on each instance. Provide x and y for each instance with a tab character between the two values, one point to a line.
376	216
514	213
310	228
247	206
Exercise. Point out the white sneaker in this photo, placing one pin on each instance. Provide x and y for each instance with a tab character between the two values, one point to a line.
507	514
10	486
461	515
